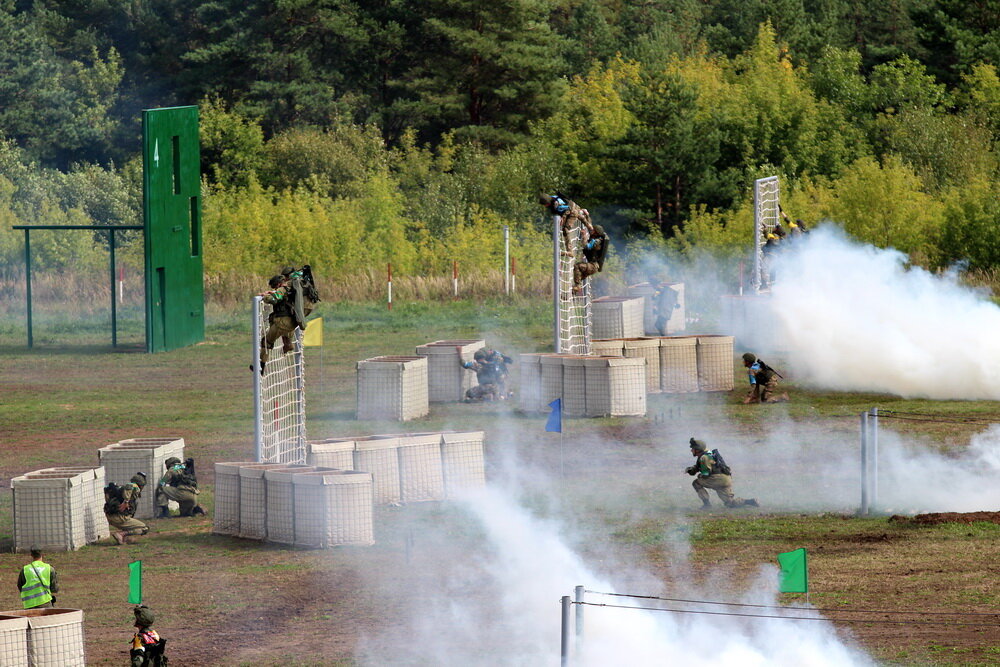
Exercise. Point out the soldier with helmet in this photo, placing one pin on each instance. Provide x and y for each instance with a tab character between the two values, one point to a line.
491	375
763	381
711	472
594	251
119	507
180	485
292	296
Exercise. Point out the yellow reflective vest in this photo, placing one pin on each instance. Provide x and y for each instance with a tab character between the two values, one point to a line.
37	580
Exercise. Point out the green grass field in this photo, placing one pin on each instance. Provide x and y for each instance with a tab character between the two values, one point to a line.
613	484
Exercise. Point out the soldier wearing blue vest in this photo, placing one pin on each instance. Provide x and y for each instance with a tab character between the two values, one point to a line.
37	582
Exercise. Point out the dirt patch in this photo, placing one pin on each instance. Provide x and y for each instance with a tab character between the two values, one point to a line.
948	517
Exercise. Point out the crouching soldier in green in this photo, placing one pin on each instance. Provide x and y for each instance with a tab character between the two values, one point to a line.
711	472
178	484
119	508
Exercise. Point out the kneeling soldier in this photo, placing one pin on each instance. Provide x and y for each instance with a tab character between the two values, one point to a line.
119	507
714	474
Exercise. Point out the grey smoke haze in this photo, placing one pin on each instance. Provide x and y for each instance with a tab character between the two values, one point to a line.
853	317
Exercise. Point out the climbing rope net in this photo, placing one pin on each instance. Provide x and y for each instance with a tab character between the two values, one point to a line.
279	396
572	311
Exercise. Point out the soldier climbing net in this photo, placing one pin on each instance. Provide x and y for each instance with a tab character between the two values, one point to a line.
572	312
279	396
766	216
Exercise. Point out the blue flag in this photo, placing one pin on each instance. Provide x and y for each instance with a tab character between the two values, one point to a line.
554	424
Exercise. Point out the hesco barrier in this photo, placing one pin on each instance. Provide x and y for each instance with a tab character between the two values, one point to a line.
392	387
552	378
529	388
616	386
617	317
125	458
13	640
607	347
377	454
446	379
648	349
95	523
50	511
574	403
679	364
253	498
421	476
333	508
331	453
53	637
226	518
463	461
280	510
715	363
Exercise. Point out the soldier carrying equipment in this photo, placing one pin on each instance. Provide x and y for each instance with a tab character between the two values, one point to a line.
712	472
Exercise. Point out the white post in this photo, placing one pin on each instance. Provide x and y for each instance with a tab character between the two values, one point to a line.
873	453
454	277
864	464
506	260
258	431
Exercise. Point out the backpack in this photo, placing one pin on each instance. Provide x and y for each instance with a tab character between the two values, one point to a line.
720	466
114	499
768	371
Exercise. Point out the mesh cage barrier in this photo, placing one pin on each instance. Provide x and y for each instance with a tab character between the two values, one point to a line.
618	317
279	392
49	511
333	508
766	215
421	476
253	499
447	381
123	459
377	455
679	365
616	386
607	347
552	378
95	524
280	510
573	330
392	387
463	461
226	518
13	640
529	369
335	453
574	403
648	349
715	363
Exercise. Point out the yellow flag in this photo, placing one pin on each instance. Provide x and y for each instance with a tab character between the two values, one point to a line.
313	336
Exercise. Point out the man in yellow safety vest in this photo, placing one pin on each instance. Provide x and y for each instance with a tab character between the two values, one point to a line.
37	582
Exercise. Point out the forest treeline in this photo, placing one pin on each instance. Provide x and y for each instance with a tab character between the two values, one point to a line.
350	134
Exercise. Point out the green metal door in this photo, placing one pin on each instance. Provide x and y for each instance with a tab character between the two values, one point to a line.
175	296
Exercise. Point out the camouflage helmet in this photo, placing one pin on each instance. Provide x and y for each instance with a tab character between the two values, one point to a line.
172	461
545	200
598	230
143	615
480	354
749	357
275	281
139	479
287	270
698	445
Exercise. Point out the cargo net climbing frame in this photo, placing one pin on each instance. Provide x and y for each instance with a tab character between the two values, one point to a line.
572	311
279	395
766	216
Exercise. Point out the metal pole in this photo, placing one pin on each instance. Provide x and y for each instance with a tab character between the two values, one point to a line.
27	280
506	260
114	304
555	279
564	640
873	453
864	463
578	591
454	277
513	274
300	397
258	417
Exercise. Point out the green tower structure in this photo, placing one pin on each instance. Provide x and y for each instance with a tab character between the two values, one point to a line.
175	294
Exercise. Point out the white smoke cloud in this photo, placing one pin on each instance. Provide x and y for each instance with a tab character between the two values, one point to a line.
856	318
498	604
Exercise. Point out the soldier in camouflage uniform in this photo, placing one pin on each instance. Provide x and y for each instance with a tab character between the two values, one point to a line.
763	381
177	484
708	476
120	511
488	381
292	296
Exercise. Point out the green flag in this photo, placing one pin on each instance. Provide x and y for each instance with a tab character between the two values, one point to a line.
135	582
794	572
